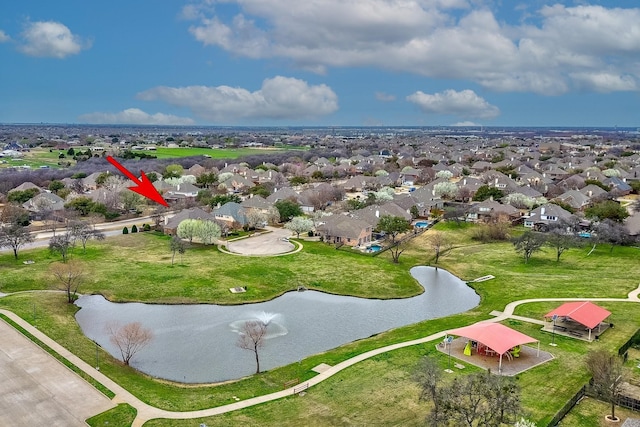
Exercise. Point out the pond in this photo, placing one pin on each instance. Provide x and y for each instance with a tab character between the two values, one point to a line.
197	343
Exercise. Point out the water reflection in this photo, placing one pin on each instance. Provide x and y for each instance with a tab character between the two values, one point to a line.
196	343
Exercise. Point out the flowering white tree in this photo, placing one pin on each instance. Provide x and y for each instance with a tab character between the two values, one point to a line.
384	195
611	173
299	224
224	176
381	172
255	218
207	231
444	174
185	179
187	229
446	190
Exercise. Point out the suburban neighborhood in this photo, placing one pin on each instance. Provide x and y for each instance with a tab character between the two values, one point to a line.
539	229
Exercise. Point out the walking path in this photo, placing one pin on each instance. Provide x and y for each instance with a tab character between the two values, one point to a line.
147	412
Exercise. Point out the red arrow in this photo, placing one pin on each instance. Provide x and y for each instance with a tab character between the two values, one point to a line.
144	187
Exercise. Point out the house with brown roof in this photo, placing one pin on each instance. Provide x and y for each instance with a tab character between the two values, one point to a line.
342	229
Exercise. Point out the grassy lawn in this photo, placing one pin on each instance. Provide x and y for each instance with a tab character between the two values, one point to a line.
591	412
216	153
205	274
121	415
379	389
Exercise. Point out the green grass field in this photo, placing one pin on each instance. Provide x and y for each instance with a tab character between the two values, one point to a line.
380	391
43	157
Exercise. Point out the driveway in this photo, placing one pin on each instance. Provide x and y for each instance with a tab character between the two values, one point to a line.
37	390
273	243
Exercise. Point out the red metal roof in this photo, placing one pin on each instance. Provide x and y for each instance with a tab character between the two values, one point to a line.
584	312
496	336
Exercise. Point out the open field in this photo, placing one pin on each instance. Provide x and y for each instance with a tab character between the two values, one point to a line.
38	157
214	153
379	389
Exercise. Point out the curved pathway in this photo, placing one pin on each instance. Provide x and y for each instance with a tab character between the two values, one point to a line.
147	412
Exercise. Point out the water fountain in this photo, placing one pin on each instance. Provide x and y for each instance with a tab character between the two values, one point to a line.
197	343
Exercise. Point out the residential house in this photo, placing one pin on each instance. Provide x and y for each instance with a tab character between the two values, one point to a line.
43	204
372	214
489	209
25	186
593	191
257	202
231	214
574	198
342	229
182	191
171	222
543	216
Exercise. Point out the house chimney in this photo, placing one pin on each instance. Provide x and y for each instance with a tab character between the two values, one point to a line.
464	181
542	209
377	214
590	193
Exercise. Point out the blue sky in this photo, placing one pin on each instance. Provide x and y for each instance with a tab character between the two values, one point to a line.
321	62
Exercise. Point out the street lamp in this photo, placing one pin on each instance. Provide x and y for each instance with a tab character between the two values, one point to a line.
553	332
97	359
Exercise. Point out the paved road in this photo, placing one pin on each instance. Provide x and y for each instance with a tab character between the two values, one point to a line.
272	243
37	390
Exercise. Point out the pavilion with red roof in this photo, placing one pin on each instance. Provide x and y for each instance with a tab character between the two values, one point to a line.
584	313
494	338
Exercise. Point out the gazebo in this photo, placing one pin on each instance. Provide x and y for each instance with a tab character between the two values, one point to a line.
495	336
585	313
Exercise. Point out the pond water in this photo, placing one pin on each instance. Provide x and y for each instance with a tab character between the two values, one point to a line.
197	343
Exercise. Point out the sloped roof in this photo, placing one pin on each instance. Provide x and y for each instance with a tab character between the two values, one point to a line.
496	336
584	312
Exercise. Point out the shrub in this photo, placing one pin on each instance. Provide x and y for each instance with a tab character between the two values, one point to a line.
134	228
146	227
125	230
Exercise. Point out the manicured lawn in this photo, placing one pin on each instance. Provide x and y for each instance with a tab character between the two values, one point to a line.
138	268
217	153
121	415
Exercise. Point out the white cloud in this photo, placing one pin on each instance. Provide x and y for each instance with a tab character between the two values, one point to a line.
465	124
465	103
438	38
4	37
385	97
279	98
135	116
51	39
605	82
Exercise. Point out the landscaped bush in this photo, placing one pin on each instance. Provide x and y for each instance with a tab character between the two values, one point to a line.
146	227
134	229
125	230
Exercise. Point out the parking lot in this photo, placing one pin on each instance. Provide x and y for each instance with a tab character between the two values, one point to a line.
37	390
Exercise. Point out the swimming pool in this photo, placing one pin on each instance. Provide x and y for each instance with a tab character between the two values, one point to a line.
422	224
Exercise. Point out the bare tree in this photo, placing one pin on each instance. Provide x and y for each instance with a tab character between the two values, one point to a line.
15	236
439	243
252	336
476	400
62	243
428	376
69	277
81	230
129	338
177	245
607	374
528	243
